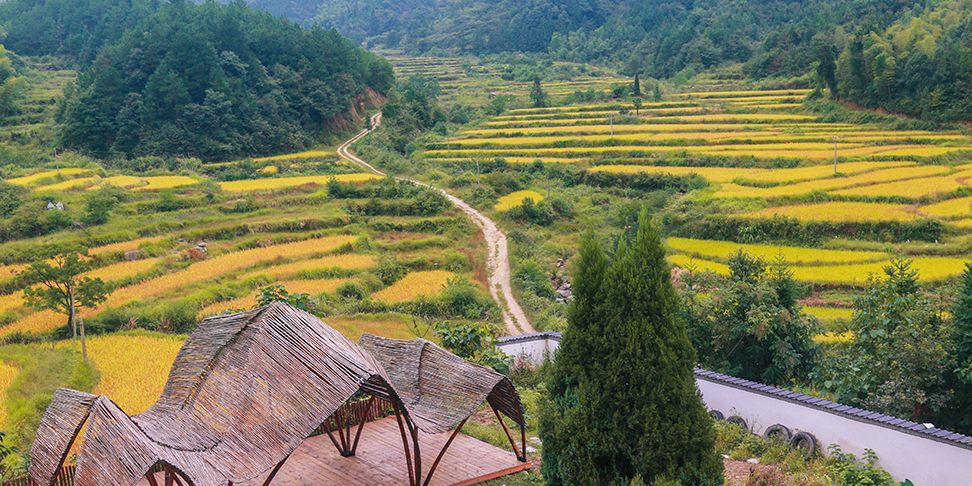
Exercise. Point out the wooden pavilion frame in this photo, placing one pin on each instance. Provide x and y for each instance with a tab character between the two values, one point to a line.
247	389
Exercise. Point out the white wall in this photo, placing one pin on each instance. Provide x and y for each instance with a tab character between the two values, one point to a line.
535	348
912	455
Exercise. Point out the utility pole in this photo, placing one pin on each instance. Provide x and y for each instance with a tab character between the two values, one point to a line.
477	173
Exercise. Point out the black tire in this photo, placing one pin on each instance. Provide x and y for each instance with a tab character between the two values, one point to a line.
804	442
735	419
778	430
716	415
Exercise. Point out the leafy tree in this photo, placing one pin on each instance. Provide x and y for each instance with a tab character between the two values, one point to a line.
98	206
898	355
749	324
474	342
538	95
55	283
277	293
656	94
623	397
637	105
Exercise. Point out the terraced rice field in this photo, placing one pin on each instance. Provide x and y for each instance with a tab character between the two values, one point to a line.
515	199
282	182
848	268
428	283
8	373
842	211
134	368
196	273
720	250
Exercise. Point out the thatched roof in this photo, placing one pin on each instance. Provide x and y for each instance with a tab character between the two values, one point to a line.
245	391
438	388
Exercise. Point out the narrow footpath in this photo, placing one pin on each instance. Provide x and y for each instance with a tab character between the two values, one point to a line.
498	260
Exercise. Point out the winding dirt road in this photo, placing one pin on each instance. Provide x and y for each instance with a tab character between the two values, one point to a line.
498	260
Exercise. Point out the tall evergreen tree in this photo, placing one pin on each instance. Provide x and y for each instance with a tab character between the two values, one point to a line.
637	86
623	397
959	416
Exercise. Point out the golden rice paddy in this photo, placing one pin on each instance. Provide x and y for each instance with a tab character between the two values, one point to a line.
282	182
69	184
155	183
427	283
829	314
841	212
913	187
120	181
349	261
515	199
8	373
948	209
23	181
711	249
134	368
715	174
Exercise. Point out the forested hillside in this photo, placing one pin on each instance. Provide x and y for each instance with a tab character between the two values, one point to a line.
208	81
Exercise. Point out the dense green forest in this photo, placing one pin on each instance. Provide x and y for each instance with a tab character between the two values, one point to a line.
214	82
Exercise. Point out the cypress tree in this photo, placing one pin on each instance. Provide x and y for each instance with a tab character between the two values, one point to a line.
637	86
623	396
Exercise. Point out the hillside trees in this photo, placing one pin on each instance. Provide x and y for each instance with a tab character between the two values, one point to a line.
623	397
217	82
11	86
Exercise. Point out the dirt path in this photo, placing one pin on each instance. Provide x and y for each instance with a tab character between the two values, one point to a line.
498	259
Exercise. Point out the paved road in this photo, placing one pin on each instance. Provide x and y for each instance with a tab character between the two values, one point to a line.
498	260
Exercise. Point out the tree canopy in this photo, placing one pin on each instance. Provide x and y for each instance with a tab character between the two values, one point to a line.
54	281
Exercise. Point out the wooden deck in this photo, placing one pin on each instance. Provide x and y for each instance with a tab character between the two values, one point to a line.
380	461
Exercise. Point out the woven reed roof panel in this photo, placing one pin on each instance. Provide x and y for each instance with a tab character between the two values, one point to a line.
438	388
60	424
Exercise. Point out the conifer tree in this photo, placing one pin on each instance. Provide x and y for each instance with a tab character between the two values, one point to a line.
623	396
960	408
637	86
